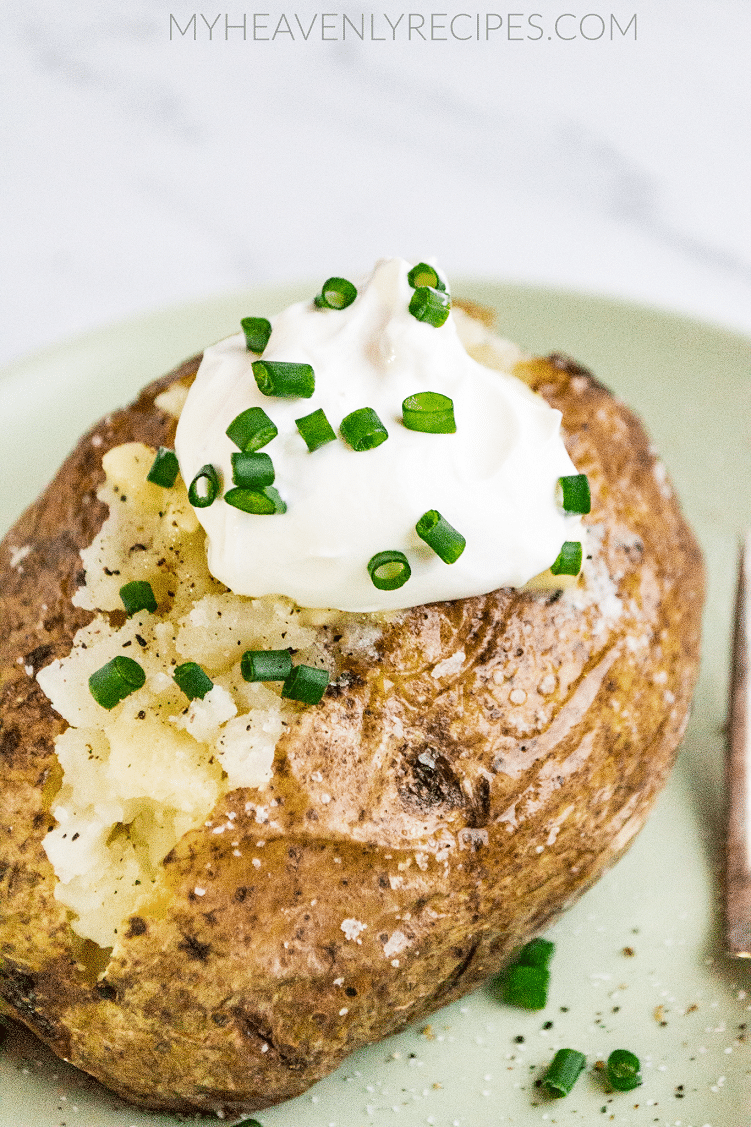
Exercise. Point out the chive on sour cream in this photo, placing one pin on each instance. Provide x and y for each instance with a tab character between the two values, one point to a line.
495	479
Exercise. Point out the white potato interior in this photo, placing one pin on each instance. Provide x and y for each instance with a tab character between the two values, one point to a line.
138	777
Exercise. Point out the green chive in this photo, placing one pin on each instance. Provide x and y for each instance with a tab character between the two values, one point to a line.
431	306
252	429
424	275
536	953
263	502
575	491
192	680
565	1069
284	380
257	332
623	1070
430	412
136	596
164	469
204	488
526	986
305	683
569	560
389	570
363	430
116	680
315	429
252	471
436	531
266	665
336	293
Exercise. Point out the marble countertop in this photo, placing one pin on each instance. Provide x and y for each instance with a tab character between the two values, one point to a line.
155	152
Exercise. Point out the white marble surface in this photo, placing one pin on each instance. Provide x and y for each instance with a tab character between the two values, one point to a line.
139	171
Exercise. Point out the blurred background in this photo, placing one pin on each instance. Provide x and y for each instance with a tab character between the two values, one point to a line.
155	152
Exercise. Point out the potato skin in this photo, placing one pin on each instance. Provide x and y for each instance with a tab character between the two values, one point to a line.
470	801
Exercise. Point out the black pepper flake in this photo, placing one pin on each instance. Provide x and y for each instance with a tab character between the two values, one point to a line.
519	1039
141	641
548	1025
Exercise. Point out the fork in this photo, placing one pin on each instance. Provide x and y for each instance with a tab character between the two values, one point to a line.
738	772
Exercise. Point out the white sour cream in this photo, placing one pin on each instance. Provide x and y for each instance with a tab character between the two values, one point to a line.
494	479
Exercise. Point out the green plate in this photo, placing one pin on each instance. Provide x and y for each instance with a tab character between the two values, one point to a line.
677	1001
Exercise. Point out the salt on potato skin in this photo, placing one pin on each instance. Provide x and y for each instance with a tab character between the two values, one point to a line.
227	1000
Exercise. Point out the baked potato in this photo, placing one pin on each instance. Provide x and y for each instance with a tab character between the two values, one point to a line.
473	767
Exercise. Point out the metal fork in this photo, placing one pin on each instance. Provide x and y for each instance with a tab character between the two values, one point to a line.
738	773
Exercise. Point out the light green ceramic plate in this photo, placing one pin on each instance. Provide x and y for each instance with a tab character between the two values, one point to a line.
677	1002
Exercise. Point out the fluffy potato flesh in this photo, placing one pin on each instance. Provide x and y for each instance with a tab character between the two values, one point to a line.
473	768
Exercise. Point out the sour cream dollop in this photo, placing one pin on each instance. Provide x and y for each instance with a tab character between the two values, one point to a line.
495	479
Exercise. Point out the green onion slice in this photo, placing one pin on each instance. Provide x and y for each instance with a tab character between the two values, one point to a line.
430	305
262	502
283	379
430	412
537	953
116	680
315	429
252	471
305	683
442	537
565	1069
257	332
192	680
363	430
336	293
569	559
575	493
424	275
164	468
389	570
252	429
136	596
623	1070
266	665
204	488
526	986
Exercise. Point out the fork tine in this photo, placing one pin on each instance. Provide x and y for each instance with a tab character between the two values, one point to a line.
738	773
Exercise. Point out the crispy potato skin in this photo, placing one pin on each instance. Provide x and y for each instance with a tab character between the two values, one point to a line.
549	741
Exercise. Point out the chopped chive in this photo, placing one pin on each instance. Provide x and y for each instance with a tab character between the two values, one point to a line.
315	429
164	468
575	493
283	379
430	412
363	430
623	1070
192	680
252	471
251	429
436	531
257	332
565	1069
526	986
116	680
430	305
136	596
569	560
204	488
424	275
537	953
336	293
389	570
306	684
266	665
262	502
